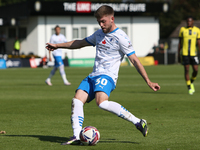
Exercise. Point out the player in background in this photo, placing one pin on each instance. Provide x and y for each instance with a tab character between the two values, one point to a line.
57	54
189	37
111	46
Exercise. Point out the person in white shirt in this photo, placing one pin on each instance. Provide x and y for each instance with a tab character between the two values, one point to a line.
111	46
57	54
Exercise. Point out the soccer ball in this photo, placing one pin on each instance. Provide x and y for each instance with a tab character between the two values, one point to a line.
89	135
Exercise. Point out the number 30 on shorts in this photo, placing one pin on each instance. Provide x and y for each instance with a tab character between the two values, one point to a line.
102	81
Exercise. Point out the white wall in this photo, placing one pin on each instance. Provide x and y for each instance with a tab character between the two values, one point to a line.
31	42
41	33
145	33
90	23
124	22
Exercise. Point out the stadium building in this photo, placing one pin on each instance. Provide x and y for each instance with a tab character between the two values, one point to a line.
34	22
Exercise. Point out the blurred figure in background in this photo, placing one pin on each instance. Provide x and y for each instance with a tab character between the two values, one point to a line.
2	43
17	46
57	54
161	48
189	37
43	62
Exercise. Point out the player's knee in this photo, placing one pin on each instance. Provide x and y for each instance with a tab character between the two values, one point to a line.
79	99
82	96
104	105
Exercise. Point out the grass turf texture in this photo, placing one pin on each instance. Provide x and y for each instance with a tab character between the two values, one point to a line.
36	116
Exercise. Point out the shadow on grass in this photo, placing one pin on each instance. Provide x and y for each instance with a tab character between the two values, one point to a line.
57	139
115	141
158	92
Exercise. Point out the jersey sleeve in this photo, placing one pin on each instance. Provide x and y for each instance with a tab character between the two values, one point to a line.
92	39
51	39
126	45
181	32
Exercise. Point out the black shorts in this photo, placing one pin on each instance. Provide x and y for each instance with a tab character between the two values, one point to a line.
190	60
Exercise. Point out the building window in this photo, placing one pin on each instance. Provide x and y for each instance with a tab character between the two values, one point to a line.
125	29
83	32
75	33
79	33
22	33
12	33
62	30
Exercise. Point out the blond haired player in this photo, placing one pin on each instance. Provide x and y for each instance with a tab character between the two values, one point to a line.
111	46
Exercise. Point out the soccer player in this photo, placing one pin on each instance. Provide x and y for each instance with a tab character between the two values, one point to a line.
189	37
111	46
57	54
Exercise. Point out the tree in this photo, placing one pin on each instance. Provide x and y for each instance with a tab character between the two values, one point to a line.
179	10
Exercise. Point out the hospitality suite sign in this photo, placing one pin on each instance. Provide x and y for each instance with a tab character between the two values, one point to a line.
88	7
79	8
84	7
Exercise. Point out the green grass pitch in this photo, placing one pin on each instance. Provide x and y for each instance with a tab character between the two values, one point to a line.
37	117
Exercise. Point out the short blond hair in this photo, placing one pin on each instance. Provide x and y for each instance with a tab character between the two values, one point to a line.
103	10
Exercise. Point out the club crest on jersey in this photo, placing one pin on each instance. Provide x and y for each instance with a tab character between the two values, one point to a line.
111	41
104	42
129	44
194	32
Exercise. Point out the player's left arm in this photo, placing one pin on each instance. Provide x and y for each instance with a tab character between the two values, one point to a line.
136	62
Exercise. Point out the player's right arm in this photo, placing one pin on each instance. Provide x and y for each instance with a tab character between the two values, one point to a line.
179	49
75	44
136	62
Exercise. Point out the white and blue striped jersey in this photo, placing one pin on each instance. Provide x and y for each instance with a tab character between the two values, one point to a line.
55	39
110	50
